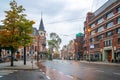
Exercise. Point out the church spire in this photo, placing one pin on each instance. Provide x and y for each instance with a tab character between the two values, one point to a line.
41	26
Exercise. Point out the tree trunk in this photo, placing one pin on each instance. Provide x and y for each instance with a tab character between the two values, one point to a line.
12	56
24	55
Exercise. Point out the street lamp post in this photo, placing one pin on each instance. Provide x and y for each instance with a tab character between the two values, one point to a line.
88	30
76	44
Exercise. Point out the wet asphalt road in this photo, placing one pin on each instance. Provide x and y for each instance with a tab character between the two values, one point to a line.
74	70
64	70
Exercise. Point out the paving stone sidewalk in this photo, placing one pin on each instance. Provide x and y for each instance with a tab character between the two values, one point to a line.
18	65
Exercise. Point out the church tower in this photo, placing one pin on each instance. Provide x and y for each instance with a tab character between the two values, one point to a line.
42	39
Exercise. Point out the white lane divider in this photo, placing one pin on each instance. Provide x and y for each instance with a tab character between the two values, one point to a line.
116	73
48	77
69	76
99	71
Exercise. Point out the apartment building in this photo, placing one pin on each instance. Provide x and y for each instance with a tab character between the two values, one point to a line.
102	33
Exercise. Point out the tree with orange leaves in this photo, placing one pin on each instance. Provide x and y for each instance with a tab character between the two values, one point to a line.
16	30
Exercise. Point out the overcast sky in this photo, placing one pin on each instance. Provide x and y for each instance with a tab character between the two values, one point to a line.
64	17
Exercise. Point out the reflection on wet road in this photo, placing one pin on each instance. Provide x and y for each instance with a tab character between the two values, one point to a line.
74	70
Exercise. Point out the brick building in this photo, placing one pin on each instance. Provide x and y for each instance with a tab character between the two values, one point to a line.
78	46
39	41
102	32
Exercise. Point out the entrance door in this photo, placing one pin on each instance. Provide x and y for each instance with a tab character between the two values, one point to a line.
109	55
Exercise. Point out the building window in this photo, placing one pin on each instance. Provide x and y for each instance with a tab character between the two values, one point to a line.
105	44
118	9
100	28
92	25
118	30
92	40
100	20
96	45
108	43
100	37
118	20
109	15
110	24
109	33
92	32
118	40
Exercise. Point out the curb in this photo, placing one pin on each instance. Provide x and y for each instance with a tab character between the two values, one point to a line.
99	63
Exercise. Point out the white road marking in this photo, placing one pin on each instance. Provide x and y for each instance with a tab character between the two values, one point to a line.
69	76
99	71
116	73
60	72
48	77
43	73
0	76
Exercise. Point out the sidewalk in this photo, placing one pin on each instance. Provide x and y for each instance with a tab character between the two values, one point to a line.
18	65
103	63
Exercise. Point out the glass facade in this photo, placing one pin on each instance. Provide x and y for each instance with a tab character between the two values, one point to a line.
110	24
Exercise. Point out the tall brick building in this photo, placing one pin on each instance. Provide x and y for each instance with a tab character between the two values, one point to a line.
102	32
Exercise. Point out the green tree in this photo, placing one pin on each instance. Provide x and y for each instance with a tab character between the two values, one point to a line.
16	30
54	42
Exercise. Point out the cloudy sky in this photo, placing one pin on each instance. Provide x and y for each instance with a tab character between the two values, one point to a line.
64	17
